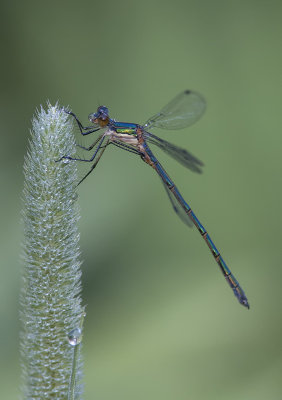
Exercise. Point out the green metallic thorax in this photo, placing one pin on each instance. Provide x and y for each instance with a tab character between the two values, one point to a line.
124	128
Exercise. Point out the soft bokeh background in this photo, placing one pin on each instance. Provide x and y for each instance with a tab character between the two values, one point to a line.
161	322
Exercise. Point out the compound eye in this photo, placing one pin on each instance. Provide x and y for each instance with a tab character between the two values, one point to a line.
104	112
92	117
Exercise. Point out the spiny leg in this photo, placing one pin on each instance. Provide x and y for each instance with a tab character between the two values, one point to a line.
118	144
126	147
91	146
95	164
88	129
84	159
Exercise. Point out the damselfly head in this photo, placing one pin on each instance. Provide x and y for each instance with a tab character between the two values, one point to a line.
101	117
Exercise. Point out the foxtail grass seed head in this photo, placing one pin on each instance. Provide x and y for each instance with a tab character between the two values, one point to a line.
50	295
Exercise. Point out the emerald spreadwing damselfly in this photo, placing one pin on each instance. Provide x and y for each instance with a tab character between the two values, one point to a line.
181	112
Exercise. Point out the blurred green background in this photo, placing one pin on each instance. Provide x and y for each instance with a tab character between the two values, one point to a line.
161	322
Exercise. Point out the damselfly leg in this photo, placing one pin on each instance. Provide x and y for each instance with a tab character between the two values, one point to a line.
87	129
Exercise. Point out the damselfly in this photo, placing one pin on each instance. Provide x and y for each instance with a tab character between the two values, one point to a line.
182	111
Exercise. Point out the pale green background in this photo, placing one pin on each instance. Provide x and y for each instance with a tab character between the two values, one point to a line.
161	322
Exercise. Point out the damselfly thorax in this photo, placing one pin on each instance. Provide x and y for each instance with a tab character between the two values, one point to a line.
122	136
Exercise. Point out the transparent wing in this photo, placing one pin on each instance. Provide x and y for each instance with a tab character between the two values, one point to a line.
181	155
178	209
184	110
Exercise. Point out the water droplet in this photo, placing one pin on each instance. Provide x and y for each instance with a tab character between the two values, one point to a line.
75	336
